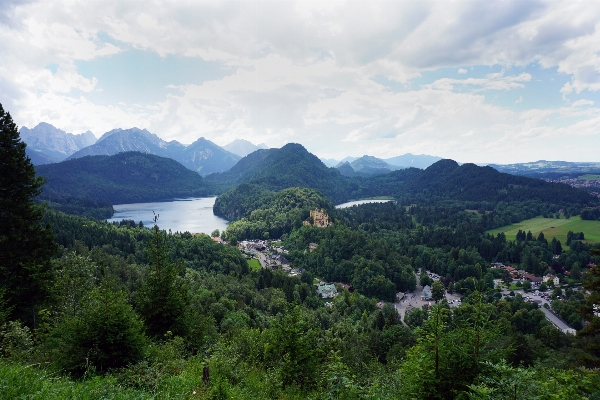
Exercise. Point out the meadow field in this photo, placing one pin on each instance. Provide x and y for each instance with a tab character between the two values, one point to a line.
552	227
254	265
589	177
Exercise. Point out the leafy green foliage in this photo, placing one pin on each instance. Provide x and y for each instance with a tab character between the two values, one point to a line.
281	213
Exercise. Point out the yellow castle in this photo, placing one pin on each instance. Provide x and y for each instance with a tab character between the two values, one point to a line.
319	218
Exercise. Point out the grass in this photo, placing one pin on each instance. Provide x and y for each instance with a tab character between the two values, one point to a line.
552	227
590	177
254	265
513	286
20	381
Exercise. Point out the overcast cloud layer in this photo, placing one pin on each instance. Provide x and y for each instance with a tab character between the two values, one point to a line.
483	81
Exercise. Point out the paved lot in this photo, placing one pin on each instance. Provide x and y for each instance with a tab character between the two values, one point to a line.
550	316
414	299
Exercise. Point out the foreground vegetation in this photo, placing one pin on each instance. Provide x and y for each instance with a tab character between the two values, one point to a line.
96	310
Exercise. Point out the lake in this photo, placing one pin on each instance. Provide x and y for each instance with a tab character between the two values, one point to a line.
193	215
358	202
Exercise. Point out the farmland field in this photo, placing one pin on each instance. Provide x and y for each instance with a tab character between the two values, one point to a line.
557	228
589	177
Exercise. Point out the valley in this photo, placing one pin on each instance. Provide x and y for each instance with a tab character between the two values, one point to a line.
258	256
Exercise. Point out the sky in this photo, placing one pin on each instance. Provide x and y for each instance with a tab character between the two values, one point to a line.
476	81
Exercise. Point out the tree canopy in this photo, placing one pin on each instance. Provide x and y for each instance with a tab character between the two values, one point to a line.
25	245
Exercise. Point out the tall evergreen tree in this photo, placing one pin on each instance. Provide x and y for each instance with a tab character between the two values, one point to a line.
25	245
164	298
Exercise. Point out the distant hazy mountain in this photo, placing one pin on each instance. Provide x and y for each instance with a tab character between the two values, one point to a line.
330	162
371	165
348	159
366	165
46	143
543	168
205	157
243	147
202	156
133	139
128	177
412	160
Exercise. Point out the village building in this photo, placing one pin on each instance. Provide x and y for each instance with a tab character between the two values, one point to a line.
551	278
535	280
252	246
326	290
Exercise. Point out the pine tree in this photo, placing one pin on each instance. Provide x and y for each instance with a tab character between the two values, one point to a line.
164	298
106	334
25	245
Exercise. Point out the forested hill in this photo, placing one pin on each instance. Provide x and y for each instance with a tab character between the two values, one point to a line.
129	177
290	166
447	180
294	166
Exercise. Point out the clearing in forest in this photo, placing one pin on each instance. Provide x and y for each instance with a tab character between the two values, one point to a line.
254	264
552	227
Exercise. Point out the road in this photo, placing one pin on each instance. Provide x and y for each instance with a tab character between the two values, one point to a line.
262	259
559	323
550	316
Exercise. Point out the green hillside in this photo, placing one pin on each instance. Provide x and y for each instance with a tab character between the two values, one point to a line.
290	166
129	177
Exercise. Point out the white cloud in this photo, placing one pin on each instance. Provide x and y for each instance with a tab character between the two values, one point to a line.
490	82
583	102
305	72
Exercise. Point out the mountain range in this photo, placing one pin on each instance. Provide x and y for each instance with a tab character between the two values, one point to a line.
47	144
550	168
202	156
369	165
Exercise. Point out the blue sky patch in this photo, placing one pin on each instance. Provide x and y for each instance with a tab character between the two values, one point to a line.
541	92
138	76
